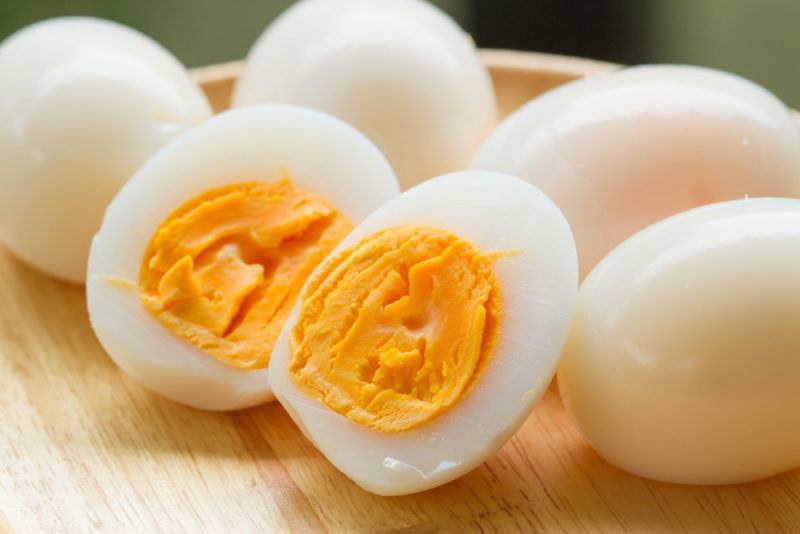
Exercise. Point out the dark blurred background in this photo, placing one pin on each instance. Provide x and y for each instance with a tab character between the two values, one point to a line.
758	39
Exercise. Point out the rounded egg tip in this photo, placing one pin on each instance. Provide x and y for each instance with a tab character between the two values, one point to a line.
682	362
400	71
84	104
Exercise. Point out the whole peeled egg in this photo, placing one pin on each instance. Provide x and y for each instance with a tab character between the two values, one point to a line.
683	362
400	71
202	253
83	103
620	151
421	344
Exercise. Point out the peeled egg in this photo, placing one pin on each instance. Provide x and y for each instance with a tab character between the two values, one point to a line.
83	103
421	344
621	151
202	253
400	71
683	363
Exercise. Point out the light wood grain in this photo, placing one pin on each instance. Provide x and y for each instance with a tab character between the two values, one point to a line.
84	448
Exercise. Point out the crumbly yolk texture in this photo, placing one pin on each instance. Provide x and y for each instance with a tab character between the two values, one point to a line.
396	330
225	269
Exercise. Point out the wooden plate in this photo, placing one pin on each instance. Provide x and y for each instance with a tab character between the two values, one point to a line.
82	447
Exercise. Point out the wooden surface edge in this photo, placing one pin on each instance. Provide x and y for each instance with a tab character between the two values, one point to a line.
534	72
518	60
215	73
493	58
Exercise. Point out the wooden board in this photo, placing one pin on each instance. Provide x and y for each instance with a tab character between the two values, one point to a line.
84	448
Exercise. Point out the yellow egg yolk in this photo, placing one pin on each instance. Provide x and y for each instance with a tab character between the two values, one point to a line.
396	330
224	270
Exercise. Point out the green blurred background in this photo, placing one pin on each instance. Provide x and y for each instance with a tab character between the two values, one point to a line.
755	38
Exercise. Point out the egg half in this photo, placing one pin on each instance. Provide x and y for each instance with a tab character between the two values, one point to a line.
401	71
683	363
202	253
621	151
421	344
83	104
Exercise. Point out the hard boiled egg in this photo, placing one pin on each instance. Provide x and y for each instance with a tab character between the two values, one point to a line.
421	344
683	363
202	253
83	103
401	71
621	151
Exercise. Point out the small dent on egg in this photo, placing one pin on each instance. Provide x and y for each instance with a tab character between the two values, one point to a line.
433	437
400	466
642	357
535	391
119	283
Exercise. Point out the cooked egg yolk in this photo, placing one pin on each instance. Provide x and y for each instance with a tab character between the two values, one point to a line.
224	270
393	332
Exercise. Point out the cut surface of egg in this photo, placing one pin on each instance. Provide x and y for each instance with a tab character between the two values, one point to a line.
400	71
421	344
83	104
202	254
621	151
683	363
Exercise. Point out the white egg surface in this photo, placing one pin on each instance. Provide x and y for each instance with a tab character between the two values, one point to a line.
423	341
192	272
401	71
621	151
683	363
83	104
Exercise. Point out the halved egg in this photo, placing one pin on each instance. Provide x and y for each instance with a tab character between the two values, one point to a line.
683	363
83	104
621	151
401	71
421	344
202	254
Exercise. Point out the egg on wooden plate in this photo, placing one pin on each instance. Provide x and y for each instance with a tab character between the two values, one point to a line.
202	253
83	104
621	151
421	344
683	363
401	71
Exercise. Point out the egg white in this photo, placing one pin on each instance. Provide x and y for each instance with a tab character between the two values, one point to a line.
323	155
683	363
620	151
401	71
538	288
83	104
